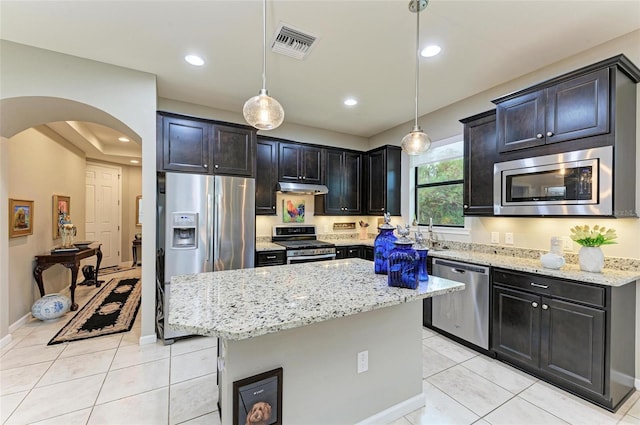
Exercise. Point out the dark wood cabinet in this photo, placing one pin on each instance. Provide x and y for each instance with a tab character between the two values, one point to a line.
343	177
271	258
184	145
383	179
480	154
367	253
300	163
200	146
566	332
233	150
352	251
266	176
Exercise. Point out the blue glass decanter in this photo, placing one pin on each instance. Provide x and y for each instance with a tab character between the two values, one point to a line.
383	245
403	262
423	250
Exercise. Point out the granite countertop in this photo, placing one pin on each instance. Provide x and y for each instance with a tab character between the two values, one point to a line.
268	246
608	277
240	304
351	242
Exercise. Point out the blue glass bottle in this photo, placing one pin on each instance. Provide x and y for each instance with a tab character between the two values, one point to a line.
383	245
403	264
423	251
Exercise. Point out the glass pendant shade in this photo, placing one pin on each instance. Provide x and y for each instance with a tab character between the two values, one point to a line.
416	142
263	111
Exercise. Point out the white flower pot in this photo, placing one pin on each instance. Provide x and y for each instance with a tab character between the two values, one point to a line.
591	259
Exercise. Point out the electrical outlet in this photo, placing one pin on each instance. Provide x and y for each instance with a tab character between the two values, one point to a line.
363	361
508	238
495	237
567	243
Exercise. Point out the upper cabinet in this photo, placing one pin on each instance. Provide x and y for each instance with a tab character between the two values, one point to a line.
266	176
382	180
480	153
205	147
300	163
343	177
579	105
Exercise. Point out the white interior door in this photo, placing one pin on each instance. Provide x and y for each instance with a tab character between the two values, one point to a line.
103	210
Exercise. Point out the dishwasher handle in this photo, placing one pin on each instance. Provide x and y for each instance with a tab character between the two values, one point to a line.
461	267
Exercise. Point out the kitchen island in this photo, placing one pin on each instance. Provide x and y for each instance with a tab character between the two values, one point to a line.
312	320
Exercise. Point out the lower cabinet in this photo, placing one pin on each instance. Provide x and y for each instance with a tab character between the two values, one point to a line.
575	335
354	251
271	258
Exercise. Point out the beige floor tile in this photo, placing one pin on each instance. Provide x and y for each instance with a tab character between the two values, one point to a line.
456	352
57	399
194	364
65	369
428	333
9	403
193	398
42	335
151	407
213	418
567	406
519	411
79	417
440	409
91	345
499	373
131	355
471	390
401	421
18	357
634	410
121	383
631	403
434	362
193	344
629	420
22	378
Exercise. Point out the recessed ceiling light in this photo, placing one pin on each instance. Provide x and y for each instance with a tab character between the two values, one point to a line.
350	101
123	139
194	60
134	161
430	51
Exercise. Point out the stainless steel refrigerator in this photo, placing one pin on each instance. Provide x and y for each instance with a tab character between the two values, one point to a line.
205	223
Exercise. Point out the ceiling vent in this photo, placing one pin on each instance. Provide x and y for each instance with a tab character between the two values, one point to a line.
290	41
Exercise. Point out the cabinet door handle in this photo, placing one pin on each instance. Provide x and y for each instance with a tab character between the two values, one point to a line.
273	207
537	285
465	206
549	133
216	166
382	209
545	307
539	136
304	177
271	257
534	304
206	166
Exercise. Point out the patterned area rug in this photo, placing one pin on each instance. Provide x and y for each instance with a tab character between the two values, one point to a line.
110	311
113	269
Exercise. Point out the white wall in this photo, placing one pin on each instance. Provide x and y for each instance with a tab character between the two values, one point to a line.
40	86
5	337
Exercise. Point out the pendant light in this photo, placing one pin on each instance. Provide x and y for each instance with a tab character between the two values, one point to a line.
263	111
417	141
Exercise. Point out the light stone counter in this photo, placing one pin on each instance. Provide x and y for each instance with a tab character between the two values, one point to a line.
608	277
268	246
240	304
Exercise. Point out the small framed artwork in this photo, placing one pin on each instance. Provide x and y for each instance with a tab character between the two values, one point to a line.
293	211
61	213
139	210
20	218
257	400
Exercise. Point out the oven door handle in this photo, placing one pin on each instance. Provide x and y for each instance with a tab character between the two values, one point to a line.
303	258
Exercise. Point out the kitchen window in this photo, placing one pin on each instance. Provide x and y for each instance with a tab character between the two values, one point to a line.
439	184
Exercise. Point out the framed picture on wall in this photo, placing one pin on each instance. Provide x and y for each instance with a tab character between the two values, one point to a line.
61	213
20	218
257	400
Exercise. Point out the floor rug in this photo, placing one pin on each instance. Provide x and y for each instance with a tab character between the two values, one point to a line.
110	311
113	269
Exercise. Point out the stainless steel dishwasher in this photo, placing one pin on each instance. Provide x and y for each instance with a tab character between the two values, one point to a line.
464	314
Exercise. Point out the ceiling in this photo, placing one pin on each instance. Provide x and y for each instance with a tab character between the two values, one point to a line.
366	49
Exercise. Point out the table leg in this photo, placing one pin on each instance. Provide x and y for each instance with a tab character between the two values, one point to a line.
99	260
37	274
134	251
74	276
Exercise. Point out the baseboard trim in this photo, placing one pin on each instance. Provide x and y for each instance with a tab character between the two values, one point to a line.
5	340
637	385
147	339
396	411
19	323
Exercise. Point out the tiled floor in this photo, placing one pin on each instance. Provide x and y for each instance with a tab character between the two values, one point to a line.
113	380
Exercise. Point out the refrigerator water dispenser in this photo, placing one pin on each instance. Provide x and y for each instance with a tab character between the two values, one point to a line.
185	229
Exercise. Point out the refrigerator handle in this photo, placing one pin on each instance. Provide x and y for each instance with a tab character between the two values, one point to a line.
208	254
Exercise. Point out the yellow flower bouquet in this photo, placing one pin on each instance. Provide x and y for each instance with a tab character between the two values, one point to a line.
597	236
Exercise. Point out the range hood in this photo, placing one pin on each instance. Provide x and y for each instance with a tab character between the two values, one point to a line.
302	188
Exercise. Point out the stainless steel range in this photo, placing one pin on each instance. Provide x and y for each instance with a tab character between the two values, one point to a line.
302	243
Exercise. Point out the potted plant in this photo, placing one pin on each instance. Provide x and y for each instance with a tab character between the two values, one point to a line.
590	256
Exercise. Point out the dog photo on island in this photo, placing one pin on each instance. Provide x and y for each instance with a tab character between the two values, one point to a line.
257	400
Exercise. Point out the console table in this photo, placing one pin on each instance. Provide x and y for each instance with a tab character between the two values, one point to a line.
135	247
70	260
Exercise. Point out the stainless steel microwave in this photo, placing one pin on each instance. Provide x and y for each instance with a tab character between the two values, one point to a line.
570	183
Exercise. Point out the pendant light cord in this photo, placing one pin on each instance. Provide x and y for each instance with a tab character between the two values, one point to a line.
417	53
264	44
